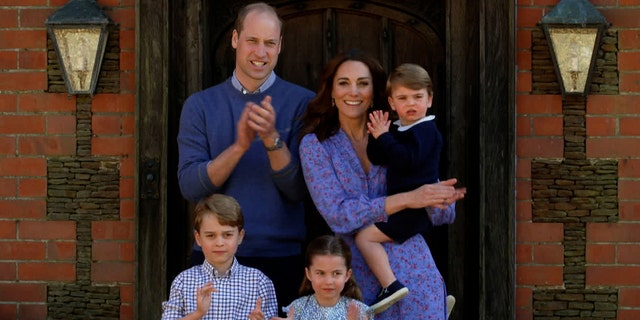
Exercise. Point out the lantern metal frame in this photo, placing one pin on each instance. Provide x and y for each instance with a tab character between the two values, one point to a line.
79	34
574	29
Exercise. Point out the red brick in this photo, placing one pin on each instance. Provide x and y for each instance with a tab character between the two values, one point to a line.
523	40
127	82
106	251
540	232
8	19
600	253
629	61
32	60
523	126
47	102
33	311
628	314
127	187
524	297
629	2
629	82
523	168
32	187
612	276
628	39
23	2
113	103
127	210
127	166
33	18
629	126
21	124
126	312
628	254
23	39
47	145
61	124
8	59
22	209
112	272
125	18
128	124
112	230
628	189
61	250
538	104
7	145
23	166
127	40
610	104
113	146
539	275
127	61
23	81
127	293
528	17
613	147
524	60
613	232
47	271
7	272
105	125
548	254
523	211
629	297
8	187
601	126
524	253
9	310
622	18
8	102
548	126
551	147
23	292
524	190
524	314
47	230
8	229
523	82
629	210
12	250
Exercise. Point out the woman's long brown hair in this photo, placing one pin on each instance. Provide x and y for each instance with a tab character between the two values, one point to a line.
321	117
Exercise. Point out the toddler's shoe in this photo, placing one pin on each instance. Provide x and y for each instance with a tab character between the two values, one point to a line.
388	296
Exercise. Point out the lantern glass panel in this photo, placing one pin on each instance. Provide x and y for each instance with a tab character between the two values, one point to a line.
78	49
574	49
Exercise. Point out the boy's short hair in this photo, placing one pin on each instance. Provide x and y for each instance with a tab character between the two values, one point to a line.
410	76
223	207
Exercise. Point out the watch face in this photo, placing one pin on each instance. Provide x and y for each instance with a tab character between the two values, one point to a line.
277	144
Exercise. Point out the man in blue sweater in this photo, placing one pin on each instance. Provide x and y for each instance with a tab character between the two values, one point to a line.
240	138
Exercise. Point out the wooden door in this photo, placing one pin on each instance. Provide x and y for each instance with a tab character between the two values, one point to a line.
468	48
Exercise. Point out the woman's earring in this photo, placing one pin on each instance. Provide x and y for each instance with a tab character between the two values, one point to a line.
333	102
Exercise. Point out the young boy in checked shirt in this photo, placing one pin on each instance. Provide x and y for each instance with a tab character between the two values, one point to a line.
220	288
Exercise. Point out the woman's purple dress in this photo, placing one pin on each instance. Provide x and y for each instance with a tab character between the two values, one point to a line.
349	199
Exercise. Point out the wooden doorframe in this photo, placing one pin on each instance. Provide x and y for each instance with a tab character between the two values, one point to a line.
481	84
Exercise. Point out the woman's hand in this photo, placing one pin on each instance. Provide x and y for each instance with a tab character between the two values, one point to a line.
438	195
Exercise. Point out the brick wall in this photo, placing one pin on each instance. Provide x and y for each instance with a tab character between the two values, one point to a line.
578	175
66	173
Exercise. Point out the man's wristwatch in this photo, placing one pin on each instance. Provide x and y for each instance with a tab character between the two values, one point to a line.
277	144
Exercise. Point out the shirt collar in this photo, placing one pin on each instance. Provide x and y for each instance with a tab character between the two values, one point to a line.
210	270
236	83
405	128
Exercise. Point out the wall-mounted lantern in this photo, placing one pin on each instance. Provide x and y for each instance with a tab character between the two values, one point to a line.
574	29
79	34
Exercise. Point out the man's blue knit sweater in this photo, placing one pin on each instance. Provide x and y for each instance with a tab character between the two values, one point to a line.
271	201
